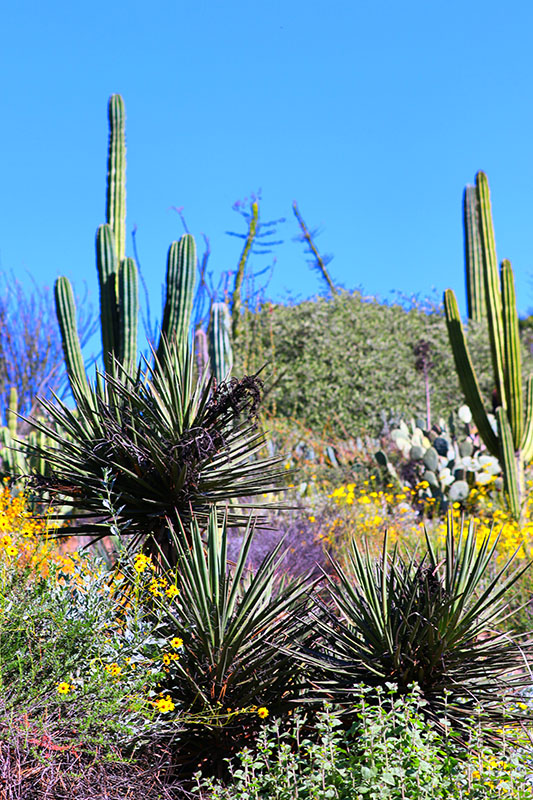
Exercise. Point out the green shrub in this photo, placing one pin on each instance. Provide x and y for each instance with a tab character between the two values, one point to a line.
67	664
390	752
343	362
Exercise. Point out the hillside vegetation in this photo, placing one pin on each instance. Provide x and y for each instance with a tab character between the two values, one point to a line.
348	363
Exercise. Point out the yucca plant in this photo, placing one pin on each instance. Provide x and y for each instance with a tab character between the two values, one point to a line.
431	622
233	623
168	444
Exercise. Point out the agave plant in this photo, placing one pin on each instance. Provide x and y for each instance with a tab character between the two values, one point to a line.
431	622
233	624
169	446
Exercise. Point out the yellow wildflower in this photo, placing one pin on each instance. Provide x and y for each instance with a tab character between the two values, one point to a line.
165	704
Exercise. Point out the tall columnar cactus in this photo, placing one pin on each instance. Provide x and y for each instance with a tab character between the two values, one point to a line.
475	288
219	342
118	278
512	443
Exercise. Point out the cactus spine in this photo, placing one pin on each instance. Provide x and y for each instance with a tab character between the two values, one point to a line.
118	278
513	444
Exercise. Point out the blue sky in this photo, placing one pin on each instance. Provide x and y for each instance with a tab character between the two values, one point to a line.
372	115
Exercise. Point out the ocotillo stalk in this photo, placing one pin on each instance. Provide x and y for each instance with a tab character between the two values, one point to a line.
219	342
236	300
475	287
307	237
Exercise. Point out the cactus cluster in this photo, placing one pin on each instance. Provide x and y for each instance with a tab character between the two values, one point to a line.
443	462
118	279
16	456
511	441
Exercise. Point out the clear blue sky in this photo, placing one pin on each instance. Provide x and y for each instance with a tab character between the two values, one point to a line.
372	115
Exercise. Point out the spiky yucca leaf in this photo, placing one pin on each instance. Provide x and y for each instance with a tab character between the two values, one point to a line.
234	624
171	446
430	622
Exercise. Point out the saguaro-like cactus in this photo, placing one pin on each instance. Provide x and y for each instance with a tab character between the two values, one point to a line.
118	278
512	443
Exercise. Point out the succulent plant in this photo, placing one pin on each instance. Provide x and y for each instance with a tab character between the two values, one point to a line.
219	342
443	462
511	440
15	456
118	279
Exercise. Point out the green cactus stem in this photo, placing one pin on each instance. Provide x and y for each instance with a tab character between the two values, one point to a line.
66	315
107	267
116	174
513	442
201	351
12	411
219	342
128	304
181	273
475	285
118	278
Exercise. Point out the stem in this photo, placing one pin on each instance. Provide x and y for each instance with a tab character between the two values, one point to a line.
321	264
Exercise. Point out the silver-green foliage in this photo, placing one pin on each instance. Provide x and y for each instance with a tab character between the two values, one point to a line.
390	753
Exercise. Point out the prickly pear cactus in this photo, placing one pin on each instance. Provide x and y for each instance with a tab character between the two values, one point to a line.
443	463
